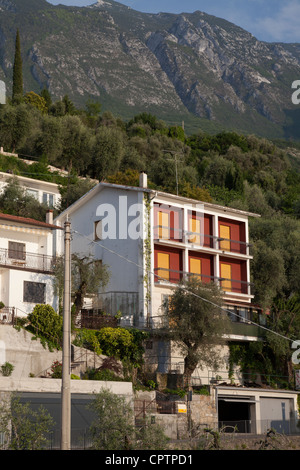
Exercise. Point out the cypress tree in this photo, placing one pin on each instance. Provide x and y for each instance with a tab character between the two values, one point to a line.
17	91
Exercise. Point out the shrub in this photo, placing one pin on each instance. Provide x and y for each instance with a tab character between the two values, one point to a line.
7	369
102	374
46	324
56	369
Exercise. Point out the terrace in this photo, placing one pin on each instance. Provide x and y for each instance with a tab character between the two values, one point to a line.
27	261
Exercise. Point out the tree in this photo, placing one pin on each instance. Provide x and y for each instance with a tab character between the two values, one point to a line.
285	320
17	91
107	152
76	144
197	324
15	125
73	190
33	99
113	427
15	201
88	275
24	428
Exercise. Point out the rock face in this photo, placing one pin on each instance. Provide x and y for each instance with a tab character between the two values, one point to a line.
179	67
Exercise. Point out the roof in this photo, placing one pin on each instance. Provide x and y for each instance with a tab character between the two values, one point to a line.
27	221
100	186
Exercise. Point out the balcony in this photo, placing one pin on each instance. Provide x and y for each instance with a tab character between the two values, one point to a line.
200	240
164	275
26	261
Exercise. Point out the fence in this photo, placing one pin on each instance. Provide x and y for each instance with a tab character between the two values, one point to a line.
8	315
284	426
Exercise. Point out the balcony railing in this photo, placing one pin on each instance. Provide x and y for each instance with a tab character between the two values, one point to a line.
162	275
200	239
29	261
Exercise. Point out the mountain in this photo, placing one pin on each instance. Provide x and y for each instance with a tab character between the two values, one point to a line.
190	67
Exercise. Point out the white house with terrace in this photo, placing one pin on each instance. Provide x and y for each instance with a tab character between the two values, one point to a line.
150	240
26	264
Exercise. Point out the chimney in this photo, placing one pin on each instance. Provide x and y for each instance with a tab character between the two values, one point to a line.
143	180
49	217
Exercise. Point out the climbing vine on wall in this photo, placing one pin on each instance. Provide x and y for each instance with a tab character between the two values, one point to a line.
147	251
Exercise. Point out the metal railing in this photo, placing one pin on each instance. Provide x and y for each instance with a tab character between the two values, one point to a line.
26	260
164	233
175	276
8	315
252	426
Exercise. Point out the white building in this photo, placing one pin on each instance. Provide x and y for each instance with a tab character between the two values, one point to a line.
44	191
26	264
149	240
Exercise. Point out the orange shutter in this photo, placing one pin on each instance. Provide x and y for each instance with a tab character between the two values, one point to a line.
194	227
225	233
195	267
163	264
163	225
226	274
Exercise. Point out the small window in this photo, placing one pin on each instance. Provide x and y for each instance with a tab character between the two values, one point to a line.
98	230
16	250
34	292
48	199
33	193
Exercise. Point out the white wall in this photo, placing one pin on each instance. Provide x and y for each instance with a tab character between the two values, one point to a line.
35	241
123	256
37	186
12	288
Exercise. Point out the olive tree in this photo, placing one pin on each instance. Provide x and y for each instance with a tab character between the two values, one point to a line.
88	275
197	324
113	427
23	427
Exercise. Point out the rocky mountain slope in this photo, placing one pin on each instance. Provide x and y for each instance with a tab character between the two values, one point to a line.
194	67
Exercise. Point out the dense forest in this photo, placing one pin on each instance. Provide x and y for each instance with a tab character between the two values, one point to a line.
240	171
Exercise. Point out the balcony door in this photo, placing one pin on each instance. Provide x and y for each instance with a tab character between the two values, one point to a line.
163	225
195	230
163	264
225	271
16	251
225	236
195	267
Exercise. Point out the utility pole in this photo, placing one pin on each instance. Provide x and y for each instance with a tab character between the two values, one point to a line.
66	353
172	152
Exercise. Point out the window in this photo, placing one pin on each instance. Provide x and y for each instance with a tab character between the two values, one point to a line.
48	199
98	230
33	193
225	235
34	292
226	276
16	251
163	264
163	225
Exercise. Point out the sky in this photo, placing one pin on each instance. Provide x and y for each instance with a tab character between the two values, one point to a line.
267	20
